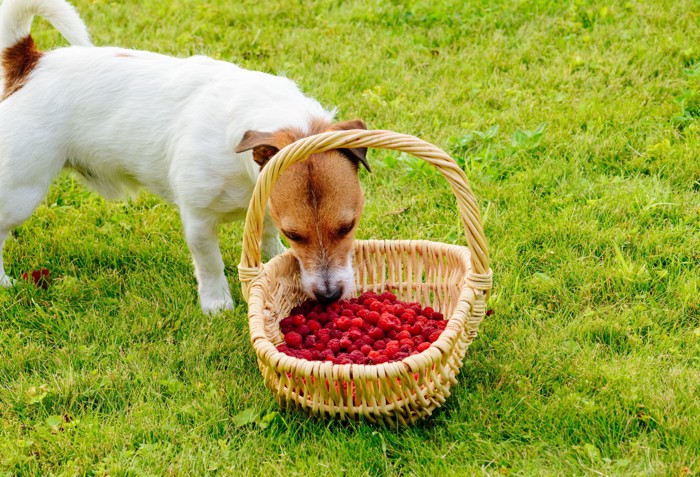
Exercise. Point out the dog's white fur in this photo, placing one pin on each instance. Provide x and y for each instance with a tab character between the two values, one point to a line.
127	119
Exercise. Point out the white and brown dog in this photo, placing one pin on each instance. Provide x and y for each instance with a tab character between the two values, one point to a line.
194	131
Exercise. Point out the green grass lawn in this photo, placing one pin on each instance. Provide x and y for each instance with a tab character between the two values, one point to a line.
578	124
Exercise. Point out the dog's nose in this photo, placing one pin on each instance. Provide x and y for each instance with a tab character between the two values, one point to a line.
330	297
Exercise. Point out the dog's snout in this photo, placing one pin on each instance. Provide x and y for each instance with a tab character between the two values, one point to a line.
328	297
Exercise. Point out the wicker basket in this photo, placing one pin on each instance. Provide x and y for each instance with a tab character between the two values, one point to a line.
454	280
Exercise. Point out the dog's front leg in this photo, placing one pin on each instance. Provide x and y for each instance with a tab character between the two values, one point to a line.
201	237
271	243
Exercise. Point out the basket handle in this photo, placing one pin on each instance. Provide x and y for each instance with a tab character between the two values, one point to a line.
251	259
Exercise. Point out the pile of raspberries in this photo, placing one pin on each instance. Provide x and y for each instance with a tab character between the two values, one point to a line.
370	329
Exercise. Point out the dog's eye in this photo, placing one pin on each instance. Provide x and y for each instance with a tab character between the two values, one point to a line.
345	229
295	237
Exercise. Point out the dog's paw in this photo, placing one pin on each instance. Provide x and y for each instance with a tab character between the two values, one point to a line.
212	306
272	248
6	281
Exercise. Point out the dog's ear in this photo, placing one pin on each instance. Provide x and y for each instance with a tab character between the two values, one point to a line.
356	155
261	144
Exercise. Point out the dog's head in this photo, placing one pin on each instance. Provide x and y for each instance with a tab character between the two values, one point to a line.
316	204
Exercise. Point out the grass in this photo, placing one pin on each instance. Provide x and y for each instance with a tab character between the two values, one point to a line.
578	126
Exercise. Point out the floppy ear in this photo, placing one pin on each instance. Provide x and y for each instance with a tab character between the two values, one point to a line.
261	144
356	155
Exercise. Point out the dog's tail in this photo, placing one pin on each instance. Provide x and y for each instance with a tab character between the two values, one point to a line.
16	19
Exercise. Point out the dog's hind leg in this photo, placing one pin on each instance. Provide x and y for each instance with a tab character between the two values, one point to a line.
16	205
201	238
5	281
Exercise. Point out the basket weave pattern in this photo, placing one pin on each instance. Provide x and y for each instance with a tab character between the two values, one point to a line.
454	280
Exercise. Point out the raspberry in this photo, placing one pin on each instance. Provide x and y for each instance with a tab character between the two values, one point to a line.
423	346
434	337
334	307
323	335
392	334
293	339
306	354
377	358
379	345
373	317
366	349
354	334
385	322
347	312
303	330
313	325
376	306
437	316
357	322
387	295
390	351
427	311
362	313
310	341
357	357
298	320
343	323
376	333
406	342
334	345
345	342
408	317
336	334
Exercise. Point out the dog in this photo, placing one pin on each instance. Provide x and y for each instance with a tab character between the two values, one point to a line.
194	131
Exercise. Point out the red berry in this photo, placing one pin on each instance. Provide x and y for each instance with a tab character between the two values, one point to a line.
343	323
354	334
376	333
390	351
293	339
434	337
298	320
406	342
313	325
373	317
323	335
423	346
347	312
437	316
309	341
357	357
379	358
345	342
379	345
376	306
385	322
303	330
366	349
387	295
357	322
333	345
408	317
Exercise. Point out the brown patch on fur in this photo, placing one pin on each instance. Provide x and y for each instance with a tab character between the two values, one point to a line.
124	55
18	61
